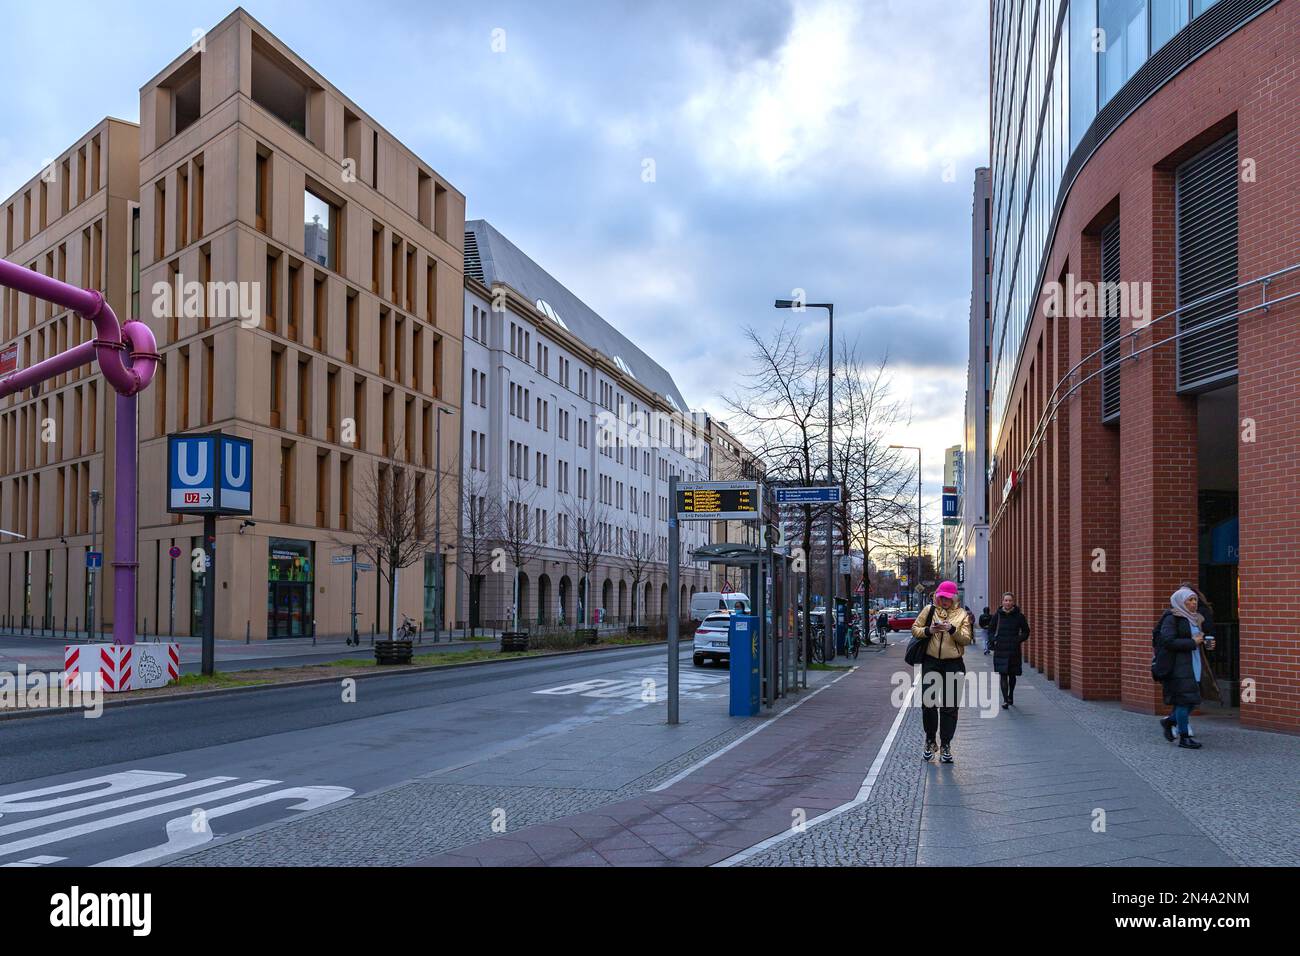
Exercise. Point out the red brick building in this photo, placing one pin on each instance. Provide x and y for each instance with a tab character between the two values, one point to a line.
1146	407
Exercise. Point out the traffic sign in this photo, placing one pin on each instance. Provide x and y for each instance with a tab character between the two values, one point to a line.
173	552
814	494
727	588
949	505
209	473
341	559
94	560
9	360
718	501
846	564
362	566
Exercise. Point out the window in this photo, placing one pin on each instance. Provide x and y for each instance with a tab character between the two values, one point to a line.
320	222
1167	18
1124	27
262	207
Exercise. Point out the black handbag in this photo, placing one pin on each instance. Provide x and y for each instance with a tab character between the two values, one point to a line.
915	652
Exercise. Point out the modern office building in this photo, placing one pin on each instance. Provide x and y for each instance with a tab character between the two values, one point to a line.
973	530
569	436
950	553
302	272
75	221
1144	266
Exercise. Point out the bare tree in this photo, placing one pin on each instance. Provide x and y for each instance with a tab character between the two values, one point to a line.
583	544
521	536
395	507
638	557
482	518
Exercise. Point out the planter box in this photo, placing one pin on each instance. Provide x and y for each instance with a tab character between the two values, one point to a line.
120	667
393	652
514	642
586	635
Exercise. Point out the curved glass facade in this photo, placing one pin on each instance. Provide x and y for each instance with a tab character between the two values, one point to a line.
1054	64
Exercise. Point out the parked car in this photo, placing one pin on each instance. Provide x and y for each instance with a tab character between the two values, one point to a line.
902	620
711	639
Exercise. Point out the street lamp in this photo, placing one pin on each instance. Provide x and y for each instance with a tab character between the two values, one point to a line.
437	525
917	582
829	644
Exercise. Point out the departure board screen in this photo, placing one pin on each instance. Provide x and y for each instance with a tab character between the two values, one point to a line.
718	500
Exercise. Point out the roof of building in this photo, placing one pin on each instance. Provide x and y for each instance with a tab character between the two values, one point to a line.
491	258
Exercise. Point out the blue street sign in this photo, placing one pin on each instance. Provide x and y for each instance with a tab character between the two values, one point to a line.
94	560
209	474
818	494
949	506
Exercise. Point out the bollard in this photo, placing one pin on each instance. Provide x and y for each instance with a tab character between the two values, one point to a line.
248	631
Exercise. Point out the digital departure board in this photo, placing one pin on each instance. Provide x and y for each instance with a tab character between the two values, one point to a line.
718	501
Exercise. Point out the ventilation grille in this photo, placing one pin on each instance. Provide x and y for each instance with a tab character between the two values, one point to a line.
473	264
1110	322
1207	264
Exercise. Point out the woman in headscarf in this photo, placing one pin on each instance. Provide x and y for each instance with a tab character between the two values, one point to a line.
1180	635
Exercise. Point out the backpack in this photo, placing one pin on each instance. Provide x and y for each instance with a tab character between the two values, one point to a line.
1162	665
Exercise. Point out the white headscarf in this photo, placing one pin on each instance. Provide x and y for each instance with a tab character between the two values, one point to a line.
1178	601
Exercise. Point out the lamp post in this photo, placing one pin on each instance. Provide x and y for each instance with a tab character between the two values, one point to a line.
916	583
828	640
437	518
95	496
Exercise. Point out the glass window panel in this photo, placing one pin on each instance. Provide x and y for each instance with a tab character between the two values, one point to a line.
1200	6
1167	18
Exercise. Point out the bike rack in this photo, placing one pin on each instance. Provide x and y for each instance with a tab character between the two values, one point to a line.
128	358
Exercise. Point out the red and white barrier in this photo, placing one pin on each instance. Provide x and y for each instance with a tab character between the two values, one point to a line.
119	667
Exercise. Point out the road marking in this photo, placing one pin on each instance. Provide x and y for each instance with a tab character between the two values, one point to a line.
864	791
32	824
634	686
740	740
25	802
35	861
183	835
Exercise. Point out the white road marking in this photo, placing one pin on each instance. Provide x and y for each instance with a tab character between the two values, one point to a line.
182	834
634	686
864	791
35	861
35	823
68	833
26	801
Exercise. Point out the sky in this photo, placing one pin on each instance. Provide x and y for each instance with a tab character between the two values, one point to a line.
678	164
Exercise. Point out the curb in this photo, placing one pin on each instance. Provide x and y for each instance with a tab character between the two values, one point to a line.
279	685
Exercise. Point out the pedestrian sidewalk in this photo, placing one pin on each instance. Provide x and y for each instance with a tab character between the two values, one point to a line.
807	760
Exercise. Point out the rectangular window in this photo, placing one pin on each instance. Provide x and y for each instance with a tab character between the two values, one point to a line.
352	326
262	206
277	386
320	229
319	313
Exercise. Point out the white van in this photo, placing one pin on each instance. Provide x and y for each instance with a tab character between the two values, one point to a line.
707	602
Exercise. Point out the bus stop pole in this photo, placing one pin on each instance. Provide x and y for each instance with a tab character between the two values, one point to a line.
674	598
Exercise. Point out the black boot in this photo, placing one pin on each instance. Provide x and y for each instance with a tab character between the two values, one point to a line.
1188	741
1167	725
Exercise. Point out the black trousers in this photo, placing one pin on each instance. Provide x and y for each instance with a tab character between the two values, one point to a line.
939	682
1008	686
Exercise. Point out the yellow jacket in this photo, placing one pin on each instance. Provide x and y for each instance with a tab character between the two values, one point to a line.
944	646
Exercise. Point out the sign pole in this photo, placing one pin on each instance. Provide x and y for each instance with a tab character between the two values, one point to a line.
674	598
209	591
354	638
171	601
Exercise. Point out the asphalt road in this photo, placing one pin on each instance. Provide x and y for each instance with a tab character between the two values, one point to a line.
145	781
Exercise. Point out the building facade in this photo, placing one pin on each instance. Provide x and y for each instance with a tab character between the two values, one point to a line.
973	530
1143	363
950	553
75	222
569	435
302	273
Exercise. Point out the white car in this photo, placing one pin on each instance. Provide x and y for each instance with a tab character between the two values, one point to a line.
711	639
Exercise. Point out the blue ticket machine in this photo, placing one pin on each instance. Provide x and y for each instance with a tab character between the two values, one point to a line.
742	636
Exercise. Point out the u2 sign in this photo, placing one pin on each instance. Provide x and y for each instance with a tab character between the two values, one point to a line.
209	473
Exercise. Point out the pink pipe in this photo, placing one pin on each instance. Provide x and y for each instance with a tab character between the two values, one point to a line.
128	357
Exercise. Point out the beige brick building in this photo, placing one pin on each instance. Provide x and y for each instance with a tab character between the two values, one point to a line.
72	221
303	273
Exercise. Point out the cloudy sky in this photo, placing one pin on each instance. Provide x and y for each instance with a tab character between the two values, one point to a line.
827	145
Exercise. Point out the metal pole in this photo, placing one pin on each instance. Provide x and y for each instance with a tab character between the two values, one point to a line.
124	520
95	495
674	599
437	527
918	519
171	599
353	638
209	592
828	634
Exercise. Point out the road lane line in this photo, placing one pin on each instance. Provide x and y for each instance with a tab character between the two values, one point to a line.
740	740
117	783
33	823
864	791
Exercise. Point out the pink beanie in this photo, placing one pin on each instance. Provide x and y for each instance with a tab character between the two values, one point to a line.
946	590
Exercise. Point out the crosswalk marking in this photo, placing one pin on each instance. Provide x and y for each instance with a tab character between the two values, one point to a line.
36	818
637	685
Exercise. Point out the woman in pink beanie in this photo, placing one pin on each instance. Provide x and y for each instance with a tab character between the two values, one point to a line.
948	627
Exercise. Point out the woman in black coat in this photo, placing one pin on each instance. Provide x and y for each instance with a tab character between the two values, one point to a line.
1178	641
1007	631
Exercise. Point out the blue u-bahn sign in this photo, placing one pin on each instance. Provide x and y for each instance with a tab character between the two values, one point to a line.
209	473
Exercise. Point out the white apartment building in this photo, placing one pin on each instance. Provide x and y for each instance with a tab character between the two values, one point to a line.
569	435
